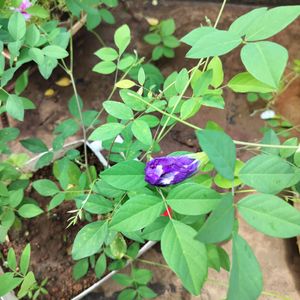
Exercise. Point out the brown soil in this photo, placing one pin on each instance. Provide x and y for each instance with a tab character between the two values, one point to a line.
52	244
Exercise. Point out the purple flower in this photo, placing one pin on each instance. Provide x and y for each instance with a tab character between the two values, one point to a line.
162	171
22	9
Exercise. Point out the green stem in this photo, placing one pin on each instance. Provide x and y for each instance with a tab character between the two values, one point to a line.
165	202
198	128
99	38
82	126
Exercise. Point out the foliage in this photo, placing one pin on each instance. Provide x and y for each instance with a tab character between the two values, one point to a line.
161	36
117	208
20	276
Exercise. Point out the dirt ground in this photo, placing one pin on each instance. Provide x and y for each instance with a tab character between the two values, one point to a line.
278	258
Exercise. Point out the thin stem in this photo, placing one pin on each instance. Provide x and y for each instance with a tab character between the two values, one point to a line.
99	38
220	13
165	203
245	191
198	128
178	100
152	263
82	126
110	95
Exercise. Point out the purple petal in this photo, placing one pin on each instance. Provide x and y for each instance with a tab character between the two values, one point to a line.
163	171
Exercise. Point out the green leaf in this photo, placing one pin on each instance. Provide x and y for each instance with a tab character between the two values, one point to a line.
122	279
45	187
216	43
189	108
25	259
118	110
245	83
242	24
137	213
141	76
220	149
125	84
268	174
146	292
263	23
36	55
3	190
181	81
96	204
107	54
128	294
15	197
270	138
130	100
34	145
218	75
80	268
38	11
167	27
141	276
118	247
245	276
89	239
105	67
154	231
266	61
216	101
171	41
56	201
100	266
285	153
107	16
142	132
73	107
127	175
29	211
45	160
14	107
193	36
17	26
270	215
152	38
47	66
32	36
11	259
8	134
157	52
27	284
122	38
186	256
55	51
193	199
106	132
8	283
219	224
21	82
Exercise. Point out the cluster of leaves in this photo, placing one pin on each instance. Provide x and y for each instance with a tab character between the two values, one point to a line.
13	204
36	10
96	11
117	205
20	276
43	44
162	37
136	285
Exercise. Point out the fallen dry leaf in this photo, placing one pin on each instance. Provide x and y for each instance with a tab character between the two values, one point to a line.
49	93
64	81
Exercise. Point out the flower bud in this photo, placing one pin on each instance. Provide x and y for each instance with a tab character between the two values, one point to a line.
163	171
